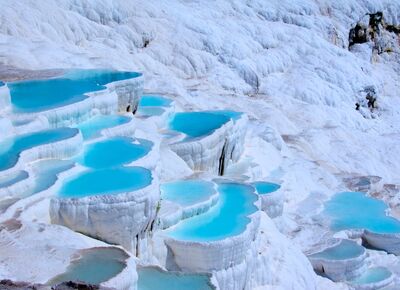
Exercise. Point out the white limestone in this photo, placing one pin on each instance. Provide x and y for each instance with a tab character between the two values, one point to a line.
115	218
272	203
388	242
214	255
203	154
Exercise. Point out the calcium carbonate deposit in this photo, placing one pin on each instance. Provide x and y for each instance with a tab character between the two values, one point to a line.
198	145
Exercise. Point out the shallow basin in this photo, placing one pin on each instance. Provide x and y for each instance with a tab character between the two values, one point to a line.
229	217
105	181
114	152
93	127
11	148
40	95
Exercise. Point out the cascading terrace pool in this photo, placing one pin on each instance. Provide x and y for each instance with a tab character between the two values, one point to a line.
92	127
113	152
344	250
229	217
105	181
199	124
263	187
187	192
355	210
11	148
40	95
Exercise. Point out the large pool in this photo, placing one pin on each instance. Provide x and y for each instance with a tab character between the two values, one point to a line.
355	210
11	148
105	181
187	192
263	187
154	279
94	266
93	127
198	124
114	152
229	217
344	250
40	95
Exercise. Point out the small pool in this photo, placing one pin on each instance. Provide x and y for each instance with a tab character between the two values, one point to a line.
265	187
105	181
40	95
355	210
47	171
372	275
11	148
154	279
198	124
94	266
2	83
92	128
187	192
6	181
154	101
344	250
229	217
114	152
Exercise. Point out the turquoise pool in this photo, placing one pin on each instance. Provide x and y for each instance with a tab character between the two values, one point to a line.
344	250
265	187
40	95
11	148
355	210
47	171
229	217
93	127
154	279
198	124
114	152
372	275
187	192
105	181
154	101
94	266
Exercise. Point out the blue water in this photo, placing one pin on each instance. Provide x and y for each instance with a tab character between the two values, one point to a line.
150	111
372	275
12	147
39	95
265	187
95	266
93	127
13	178
2	83
197	124
114	152
229	217
187	192
355	210
47	171
154	101
154	279
231	114
105	181
344	250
